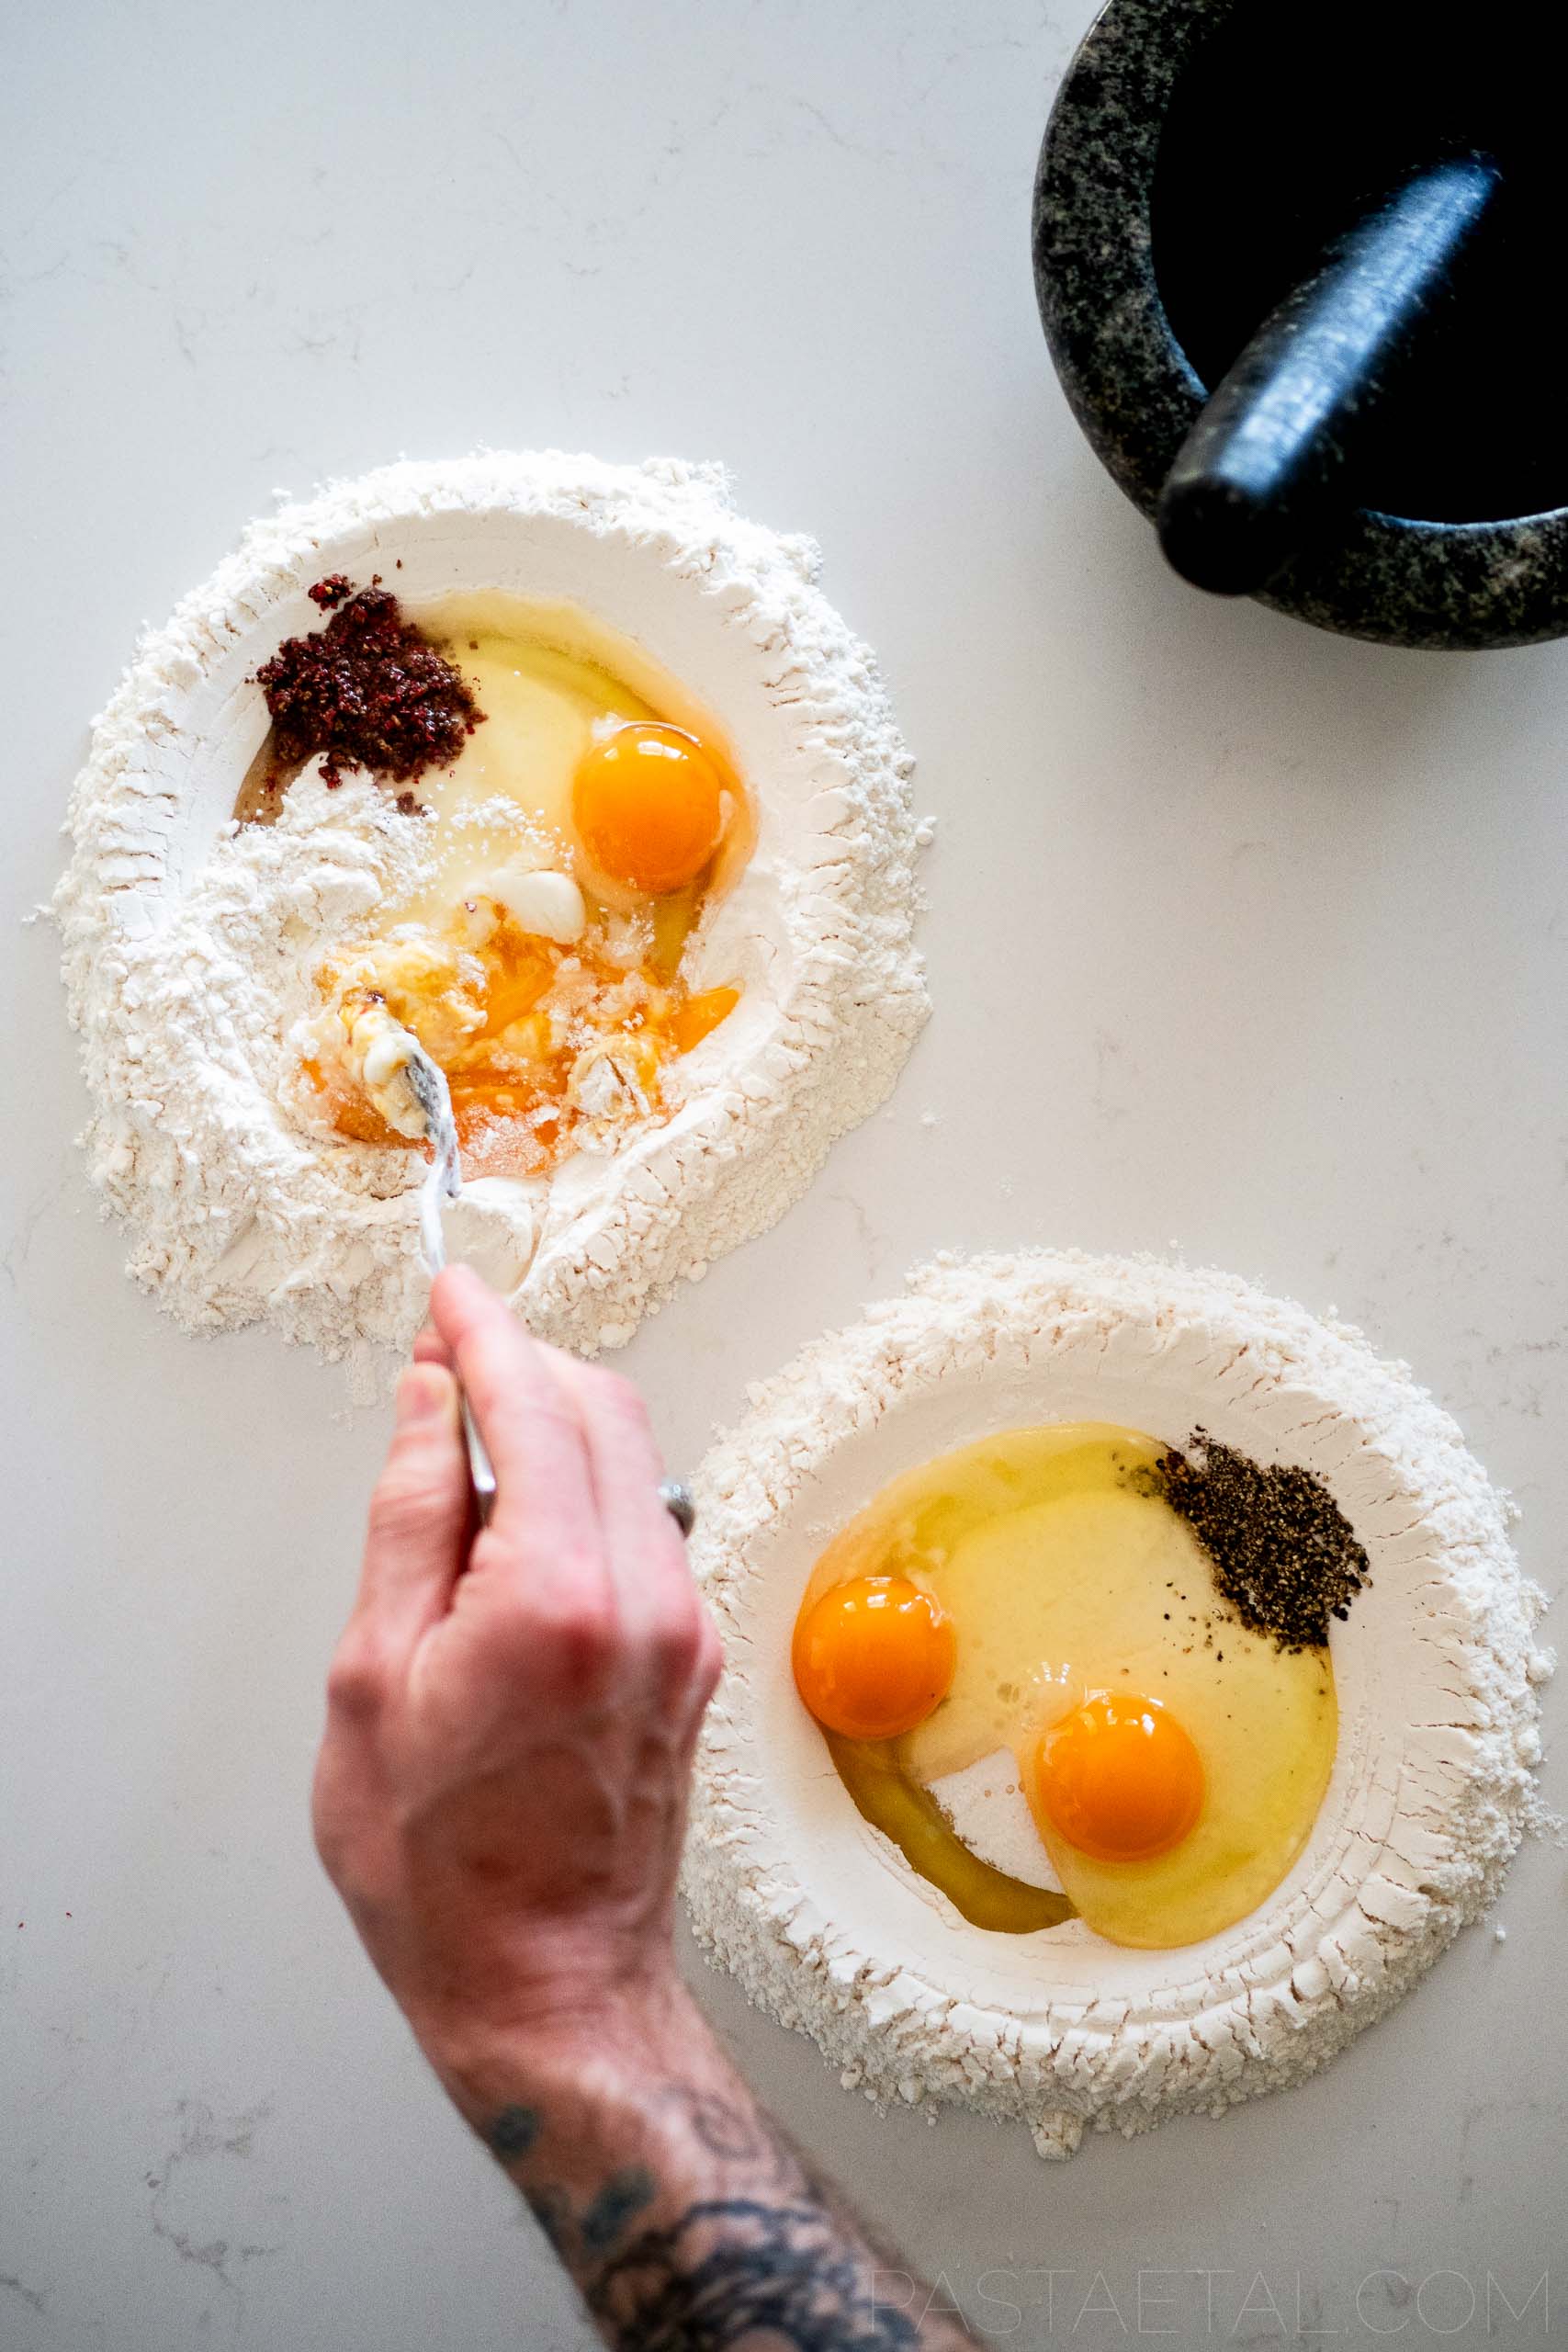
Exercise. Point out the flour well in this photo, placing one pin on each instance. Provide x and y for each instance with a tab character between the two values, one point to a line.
188	943
1437	1669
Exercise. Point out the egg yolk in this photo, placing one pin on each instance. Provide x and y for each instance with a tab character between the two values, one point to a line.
648	806
872	1656
1120	1779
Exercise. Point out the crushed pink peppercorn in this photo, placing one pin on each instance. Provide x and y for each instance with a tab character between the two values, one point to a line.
368	691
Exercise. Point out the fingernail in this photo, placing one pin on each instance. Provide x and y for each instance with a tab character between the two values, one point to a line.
421	1394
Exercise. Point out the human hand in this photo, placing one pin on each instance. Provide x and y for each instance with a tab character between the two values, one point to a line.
502	1787
500	1799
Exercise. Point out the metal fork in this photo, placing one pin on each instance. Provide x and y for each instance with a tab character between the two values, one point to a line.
443	1182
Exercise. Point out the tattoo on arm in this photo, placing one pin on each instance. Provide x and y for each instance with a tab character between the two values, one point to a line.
624	2195
762	2251
735	2269
513	2132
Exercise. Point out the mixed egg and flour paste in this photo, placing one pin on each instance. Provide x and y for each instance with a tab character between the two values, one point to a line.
566	854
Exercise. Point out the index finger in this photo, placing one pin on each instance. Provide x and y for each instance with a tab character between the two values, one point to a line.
544	1487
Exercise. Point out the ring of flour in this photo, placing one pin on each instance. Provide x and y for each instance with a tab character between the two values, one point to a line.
185	943
818	1915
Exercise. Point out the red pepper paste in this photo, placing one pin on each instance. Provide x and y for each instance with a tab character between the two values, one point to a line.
368	691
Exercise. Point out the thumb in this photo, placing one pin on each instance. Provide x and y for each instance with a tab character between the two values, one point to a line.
416	1545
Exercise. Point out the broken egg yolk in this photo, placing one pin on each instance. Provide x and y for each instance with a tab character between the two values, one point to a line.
648	804
872	1657
1120	1779
547	944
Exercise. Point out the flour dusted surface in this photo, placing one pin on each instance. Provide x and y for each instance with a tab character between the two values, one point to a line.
188	943
1437	1670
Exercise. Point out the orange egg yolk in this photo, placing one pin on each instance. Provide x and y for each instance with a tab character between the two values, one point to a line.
648	806
872	1656
1120	1779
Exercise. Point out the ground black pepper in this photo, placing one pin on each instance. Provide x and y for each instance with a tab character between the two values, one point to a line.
368	691
1285	1556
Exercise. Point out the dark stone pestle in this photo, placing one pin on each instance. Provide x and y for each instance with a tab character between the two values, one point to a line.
1255	476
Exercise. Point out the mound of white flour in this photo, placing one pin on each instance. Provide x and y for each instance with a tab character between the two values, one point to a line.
1436	1669
188	943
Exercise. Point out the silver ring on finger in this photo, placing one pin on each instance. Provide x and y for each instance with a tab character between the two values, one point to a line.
676	1496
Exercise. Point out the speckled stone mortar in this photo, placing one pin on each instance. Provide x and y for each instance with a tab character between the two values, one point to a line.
1383	577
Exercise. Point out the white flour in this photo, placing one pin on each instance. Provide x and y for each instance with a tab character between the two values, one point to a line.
187	943
1437	1668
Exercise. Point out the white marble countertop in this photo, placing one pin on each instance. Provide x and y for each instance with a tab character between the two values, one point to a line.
1240	938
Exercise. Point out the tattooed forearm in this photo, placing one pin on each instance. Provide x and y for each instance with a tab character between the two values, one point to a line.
735	2269
715	2238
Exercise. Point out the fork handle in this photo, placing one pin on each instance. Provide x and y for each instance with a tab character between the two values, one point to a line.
482	1470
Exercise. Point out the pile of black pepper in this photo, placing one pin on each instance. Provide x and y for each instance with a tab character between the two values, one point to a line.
1285	1556
368	691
